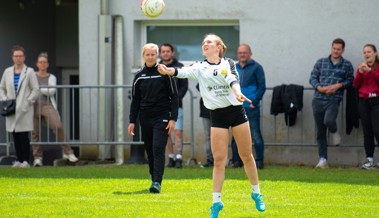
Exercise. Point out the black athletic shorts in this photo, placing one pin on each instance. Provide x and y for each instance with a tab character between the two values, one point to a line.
228	117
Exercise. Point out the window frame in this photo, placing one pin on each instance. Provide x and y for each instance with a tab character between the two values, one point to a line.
184	23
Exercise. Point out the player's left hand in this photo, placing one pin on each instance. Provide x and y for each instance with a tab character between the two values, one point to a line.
240	97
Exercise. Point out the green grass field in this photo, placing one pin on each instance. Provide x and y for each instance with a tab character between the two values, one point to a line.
121	191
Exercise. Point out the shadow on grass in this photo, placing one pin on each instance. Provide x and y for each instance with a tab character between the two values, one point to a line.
271	173
144	191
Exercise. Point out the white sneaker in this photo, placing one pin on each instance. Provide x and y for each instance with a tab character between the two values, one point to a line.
24	165
322	163
70	157
16	164
335	138
37	162
369	165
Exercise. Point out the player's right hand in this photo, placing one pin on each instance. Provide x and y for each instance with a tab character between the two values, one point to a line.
162	69
131	129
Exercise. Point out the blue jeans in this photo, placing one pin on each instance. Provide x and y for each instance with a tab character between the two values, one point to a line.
325	114
254	116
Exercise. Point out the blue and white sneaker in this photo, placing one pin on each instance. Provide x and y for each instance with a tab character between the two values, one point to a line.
258	202
215	209
155	188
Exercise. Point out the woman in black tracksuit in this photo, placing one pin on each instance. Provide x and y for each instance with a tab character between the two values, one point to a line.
155	101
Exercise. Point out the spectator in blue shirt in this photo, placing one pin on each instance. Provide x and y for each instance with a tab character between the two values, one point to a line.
253	86
330	76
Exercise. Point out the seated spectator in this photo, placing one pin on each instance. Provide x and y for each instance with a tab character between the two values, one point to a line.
45	110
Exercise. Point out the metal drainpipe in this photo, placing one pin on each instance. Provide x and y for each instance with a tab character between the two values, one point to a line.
104	78
119	80
104	10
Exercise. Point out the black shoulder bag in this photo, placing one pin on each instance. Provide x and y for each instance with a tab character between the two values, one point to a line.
8	107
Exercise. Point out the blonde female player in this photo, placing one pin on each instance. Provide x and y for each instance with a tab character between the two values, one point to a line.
155	103
221	92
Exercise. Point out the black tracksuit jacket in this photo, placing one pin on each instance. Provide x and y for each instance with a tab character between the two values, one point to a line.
154	94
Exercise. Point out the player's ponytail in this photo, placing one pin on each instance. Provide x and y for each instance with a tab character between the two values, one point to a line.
222	45
222	50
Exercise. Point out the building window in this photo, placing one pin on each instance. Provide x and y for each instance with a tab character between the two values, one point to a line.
187	39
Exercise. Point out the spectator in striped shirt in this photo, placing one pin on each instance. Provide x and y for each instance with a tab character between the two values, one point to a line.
330	76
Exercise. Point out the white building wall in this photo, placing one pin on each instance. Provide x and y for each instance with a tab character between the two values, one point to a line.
287	37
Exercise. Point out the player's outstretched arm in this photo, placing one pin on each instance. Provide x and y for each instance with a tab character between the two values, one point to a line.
166	70
240	97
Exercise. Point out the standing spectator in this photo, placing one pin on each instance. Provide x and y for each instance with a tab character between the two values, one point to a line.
367	83
19	82
330	76
221	92
155	102
45	111
253	86
167	58
205	114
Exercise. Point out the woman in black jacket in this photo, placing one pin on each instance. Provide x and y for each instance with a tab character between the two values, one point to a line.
155	102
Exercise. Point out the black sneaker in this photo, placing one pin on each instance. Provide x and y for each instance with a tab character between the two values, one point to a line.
260	164
155	188
171	162
179	163
206	165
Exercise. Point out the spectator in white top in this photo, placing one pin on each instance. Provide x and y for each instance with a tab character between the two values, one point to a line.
45	112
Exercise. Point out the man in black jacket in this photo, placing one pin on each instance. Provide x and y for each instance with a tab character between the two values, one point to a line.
167	52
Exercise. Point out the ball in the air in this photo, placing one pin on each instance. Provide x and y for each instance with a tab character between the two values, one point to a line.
152	8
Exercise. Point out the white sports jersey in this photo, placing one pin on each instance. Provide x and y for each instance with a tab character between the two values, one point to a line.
215	82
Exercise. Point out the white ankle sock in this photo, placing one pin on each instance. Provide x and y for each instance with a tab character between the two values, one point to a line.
255	189
171	155
216	197
371	159
178	156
